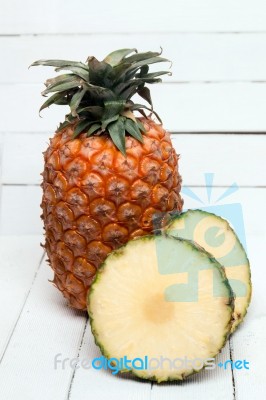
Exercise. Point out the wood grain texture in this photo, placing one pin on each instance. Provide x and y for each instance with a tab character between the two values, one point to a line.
116	16
20	258
249	341
207	384
20	211
102	382
232	158
23	150
218	107
46	327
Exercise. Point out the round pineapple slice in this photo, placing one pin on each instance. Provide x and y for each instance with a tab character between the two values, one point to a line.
162	303
217	237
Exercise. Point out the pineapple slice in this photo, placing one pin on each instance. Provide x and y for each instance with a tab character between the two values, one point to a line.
217	237
164	300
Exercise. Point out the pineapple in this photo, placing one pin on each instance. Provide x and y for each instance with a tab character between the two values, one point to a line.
216	236
109	169
160	296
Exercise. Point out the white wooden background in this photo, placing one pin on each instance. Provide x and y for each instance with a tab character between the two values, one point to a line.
215	105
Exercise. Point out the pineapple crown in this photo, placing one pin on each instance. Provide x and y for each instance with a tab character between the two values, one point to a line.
99	93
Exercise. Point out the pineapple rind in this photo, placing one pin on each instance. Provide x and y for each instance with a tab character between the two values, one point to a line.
170	230
107	171
118	253
95	200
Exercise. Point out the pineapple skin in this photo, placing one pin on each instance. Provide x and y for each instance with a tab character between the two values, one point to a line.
95	200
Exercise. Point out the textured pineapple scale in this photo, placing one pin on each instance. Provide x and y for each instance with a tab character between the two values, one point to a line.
95	200
144	303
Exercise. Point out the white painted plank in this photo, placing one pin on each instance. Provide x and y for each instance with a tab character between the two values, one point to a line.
20	210
46	327
1	160
252	201
91	383
195	57
116	16
249	340
23	160
184	107
232	158
249	345
214	107
20	257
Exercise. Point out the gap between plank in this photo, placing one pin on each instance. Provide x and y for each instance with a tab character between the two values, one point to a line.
79	350
231	352
145	33
1	167
21	184
22	308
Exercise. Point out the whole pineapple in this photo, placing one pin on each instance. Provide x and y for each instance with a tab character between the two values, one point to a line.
107	171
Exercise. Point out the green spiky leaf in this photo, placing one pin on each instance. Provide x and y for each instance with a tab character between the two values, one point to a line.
81	72
101	73
140	125
62	101
99	93
75	101
133	129
140	108
93	128
52	99
145	93
59	63
112	108
117	56
118	134
95	112
153	75
70	82
81	127
62	125
143	56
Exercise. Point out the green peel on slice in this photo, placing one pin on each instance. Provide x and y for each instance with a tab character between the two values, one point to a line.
159	296
217	237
